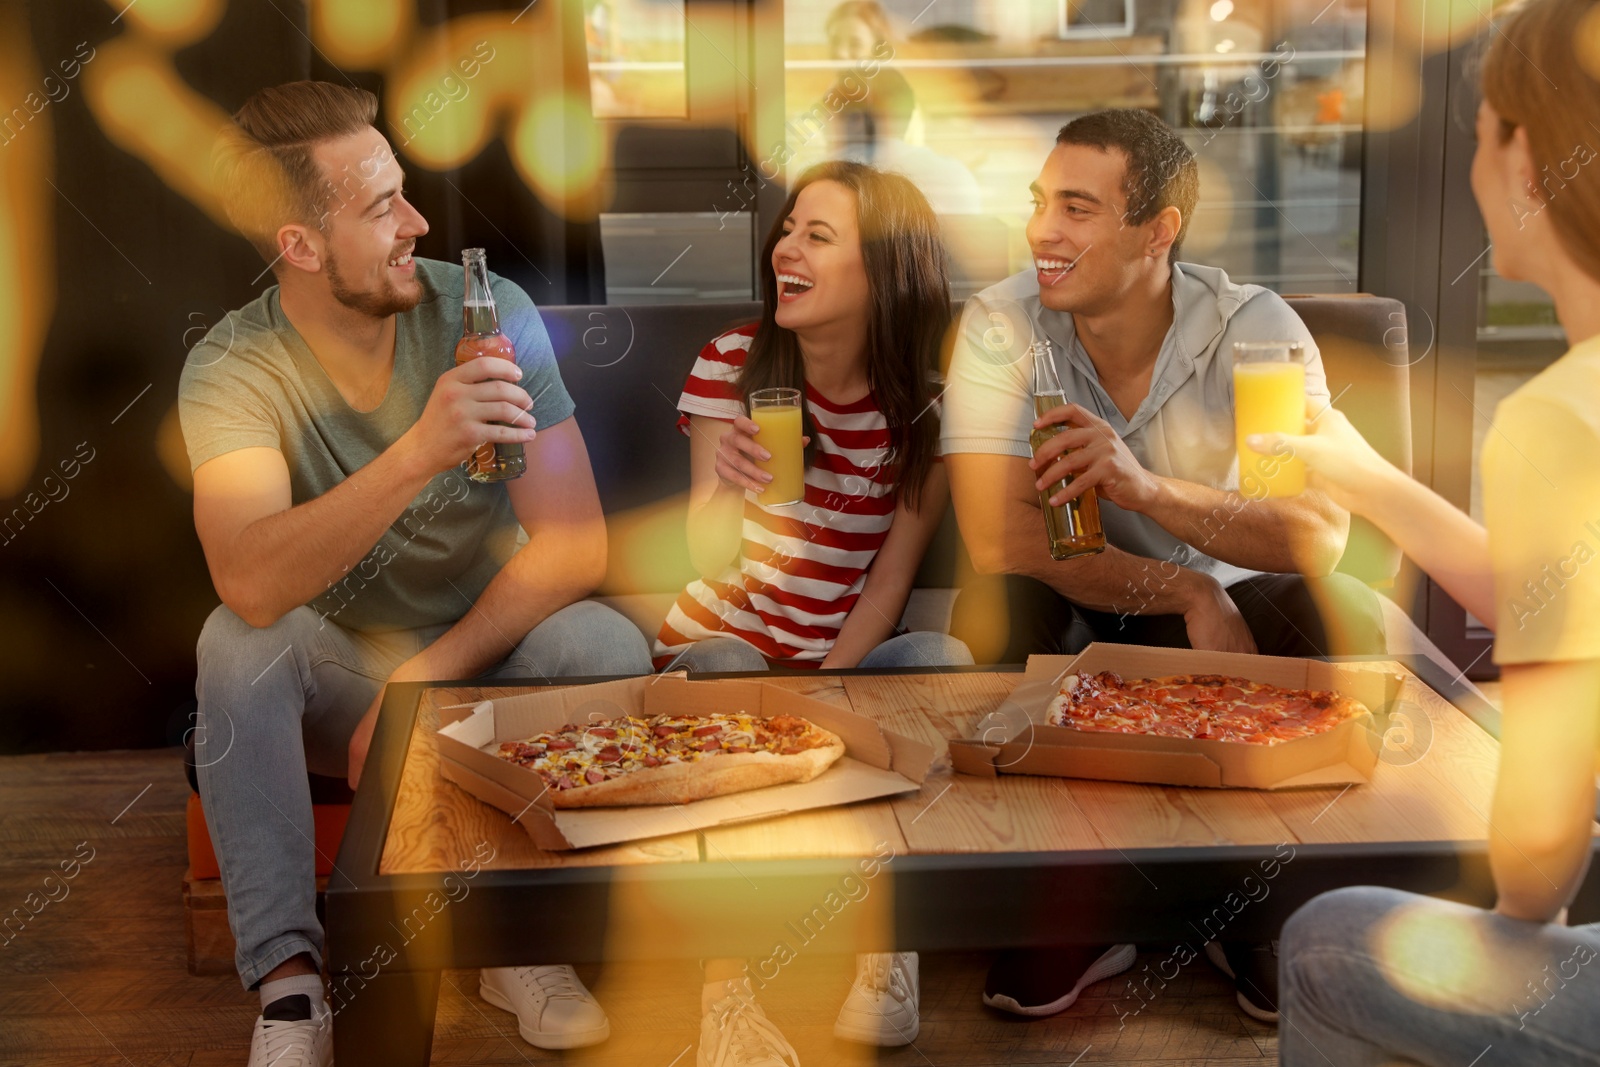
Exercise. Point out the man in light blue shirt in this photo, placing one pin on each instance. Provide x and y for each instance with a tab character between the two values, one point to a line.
1196	556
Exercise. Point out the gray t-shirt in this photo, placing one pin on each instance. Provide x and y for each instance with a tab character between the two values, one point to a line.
253	382
1182	429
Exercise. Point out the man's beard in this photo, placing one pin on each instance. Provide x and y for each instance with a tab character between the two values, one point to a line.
380	303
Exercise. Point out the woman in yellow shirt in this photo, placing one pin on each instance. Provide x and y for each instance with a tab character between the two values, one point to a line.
1371	975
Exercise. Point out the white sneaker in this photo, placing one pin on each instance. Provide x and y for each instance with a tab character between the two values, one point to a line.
294	1043
552	1007
882	1006
735	1031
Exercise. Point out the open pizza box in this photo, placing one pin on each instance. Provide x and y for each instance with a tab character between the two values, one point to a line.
1016	737
876	763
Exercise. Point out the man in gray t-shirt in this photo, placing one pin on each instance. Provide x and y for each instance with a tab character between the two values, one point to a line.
327	424
1143	347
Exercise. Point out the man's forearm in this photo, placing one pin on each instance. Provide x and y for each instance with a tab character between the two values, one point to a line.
1304	534
1110	580
294	555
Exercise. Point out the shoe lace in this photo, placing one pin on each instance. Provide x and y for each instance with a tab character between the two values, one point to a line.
745	1034
876	972
290	1043
552	983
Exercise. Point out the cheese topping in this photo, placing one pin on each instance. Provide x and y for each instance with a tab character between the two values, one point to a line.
575	755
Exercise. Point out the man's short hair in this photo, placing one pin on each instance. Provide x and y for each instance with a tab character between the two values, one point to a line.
264	163
1161	169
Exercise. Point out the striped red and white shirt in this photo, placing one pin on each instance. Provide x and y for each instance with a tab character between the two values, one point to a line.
802	566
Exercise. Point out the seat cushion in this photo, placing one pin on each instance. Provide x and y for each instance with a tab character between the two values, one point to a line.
329	821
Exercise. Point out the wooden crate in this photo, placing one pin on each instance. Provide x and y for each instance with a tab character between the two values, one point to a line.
205	924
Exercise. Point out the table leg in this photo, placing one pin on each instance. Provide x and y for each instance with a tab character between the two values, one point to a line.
386	1019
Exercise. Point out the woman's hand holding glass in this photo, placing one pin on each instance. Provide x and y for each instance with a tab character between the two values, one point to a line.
1339	460
739	455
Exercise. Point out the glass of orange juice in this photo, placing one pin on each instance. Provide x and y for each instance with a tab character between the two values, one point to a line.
777	412
1269	396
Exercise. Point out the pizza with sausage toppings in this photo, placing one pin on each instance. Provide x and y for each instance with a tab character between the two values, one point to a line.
1204	707
673	759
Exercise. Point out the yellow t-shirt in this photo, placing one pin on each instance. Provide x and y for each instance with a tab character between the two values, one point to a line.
1541	488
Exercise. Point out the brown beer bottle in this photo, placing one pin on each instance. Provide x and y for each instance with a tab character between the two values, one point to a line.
1073	528
481	336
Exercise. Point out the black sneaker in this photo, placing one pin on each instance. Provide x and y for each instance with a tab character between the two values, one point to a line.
1043	981
1254	970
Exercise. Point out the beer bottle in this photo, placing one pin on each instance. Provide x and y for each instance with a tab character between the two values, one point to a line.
1074	527
481	336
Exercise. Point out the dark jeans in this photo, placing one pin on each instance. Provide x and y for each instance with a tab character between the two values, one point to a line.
1007	619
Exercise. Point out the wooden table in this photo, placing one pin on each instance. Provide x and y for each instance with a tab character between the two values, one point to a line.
429	877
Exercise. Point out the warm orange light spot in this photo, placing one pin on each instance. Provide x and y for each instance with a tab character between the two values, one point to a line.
146	109
1434	957
559	150
1588	43
443	100
172	452
27	262
173	23
363	34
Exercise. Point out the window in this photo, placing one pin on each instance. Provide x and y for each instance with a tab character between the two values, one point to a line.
1268	93
636	58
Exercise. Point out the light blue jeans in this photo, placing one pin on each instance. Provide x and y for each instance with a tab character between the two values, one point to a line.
918	648
1375	976
281	700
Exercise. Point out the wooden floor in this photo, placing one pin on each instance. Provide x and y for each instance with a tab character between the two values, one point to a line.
98	975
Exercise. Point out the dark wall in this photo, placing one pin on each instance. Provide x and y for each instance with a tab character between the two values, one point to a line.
104	589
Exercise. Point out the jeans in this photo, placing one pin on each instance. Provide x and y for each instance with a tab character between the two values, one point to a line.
1288	615
1376	976
916	648
282	700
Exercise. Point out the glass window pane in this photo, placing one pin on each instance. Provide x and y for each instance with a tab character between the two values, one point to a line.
1268	94
636	58
675	257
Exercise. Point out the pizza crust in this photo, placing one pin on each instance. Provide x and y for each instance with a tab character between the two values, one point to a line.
712	776
1056	713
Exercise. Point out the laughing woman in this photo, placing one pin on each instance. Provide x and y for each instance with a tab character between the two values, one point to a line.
856	309
855	312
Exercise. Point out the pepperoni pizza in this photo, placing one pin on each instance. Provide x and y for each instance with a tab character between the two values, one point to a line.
1206	707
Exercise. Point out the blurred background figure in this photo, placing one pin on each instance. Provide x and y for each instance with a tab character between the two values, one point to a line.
855	28
873	130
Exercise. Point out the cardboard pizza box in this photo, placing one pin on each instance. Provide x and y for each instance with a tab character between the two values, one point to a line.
1016	737
876	763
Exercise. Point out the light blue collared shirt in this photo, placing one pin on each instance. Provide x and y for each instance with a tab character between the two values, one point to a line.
1182	429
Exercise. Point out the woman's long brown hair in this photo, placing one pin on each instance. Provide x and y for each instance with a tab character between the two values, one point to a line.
908	317
1541	72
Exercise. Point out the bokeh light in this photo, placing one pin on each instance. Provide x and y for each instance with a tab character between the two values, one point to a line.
559	150
1433	956
362	34
145	108
1588	43
27	256
171	450
173	23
